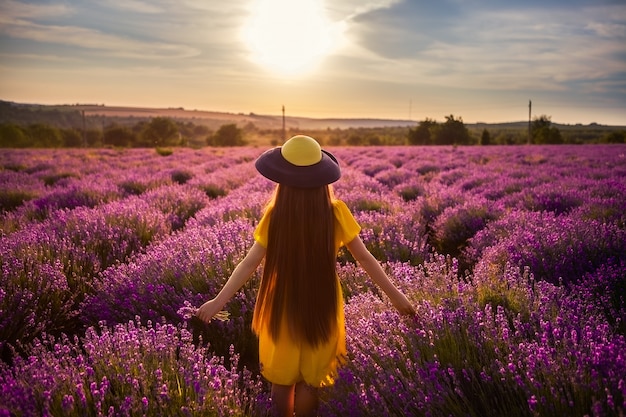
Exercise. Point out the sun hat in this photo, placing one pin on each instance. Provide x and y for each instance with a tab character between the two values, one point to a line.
300	162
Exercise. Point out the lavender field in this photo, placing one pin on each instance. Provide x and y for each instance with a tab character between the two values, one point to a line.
514	257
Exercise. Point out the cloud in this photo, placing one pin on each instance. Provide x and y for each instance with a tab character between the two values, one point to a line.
93	40
11	9
135	6
608	30
51	24
350	9
499	46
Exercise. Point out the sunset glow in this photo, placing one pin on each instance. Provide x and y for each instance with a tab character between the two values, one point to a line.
287	37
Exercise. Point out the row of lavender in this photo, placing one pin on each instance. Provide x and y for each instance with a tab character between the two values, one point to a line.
117	242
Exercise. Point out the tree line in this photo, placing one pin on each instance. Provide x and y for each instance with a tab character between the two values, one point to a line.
158	132
541	131
56	129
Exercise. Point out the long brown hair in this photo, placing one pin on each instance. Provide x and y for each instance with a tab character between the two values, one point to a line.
299	277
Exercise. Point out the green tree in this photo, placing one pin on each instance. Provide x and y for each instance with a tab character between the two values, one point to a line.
355	140
45	136
94	137
201	130
117	135
452	132
374	140
614	137
161	131
485	138
543	133
72	138
12	136
421	135
227	135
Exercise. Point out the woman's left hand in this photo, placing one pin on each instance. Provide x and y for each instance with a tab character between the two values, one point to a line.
402	304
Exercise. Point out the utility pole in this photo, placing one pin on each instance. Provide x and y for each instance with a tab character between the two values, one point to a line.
530	104
284	132
84	130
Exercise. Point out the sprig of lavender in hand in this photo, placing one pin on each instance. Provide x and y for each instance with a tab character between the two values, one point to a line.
222	315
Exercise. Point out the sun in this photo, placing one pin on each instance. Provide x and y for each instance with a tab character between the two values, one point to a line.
289	37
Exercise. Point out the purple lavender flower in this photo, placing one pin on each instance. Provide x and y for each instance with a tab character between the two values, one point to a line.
534	327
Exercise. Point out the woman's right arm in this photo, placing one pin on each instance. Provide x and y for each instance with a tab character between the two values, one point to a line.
371	265
240	275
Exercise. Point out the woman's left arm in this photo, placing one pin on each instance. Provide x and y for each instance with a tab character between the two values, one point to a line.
373	268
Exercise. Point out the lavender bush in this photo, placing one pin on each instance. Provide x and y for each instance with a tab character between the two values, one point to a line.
452	229
550	355
77	194
556	248
129	370
49	267
179	203
394	236
187	267
16	188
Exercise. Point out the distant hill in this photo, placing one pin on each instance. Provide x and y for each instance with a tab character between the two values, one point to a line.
10	111
261	121
71	116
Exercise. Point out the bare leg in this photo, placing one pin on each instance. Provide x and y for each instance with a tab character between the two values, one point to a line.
282	400
306	401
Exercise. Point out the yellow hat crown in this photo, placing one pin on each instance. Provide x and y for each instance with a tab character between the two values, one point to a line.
302	150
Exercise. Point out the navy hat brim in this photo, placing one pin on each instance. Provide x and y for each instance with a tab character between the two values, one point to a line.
273	166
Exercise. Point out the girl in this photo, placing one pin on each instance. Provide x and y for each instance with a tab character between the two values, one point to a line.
298	315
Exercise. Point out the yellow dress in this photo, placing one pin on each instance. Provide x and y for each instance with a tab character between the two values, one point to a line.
287	362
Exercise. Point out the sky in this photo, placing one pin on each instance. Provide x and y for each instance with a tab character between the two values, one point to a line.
478	60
